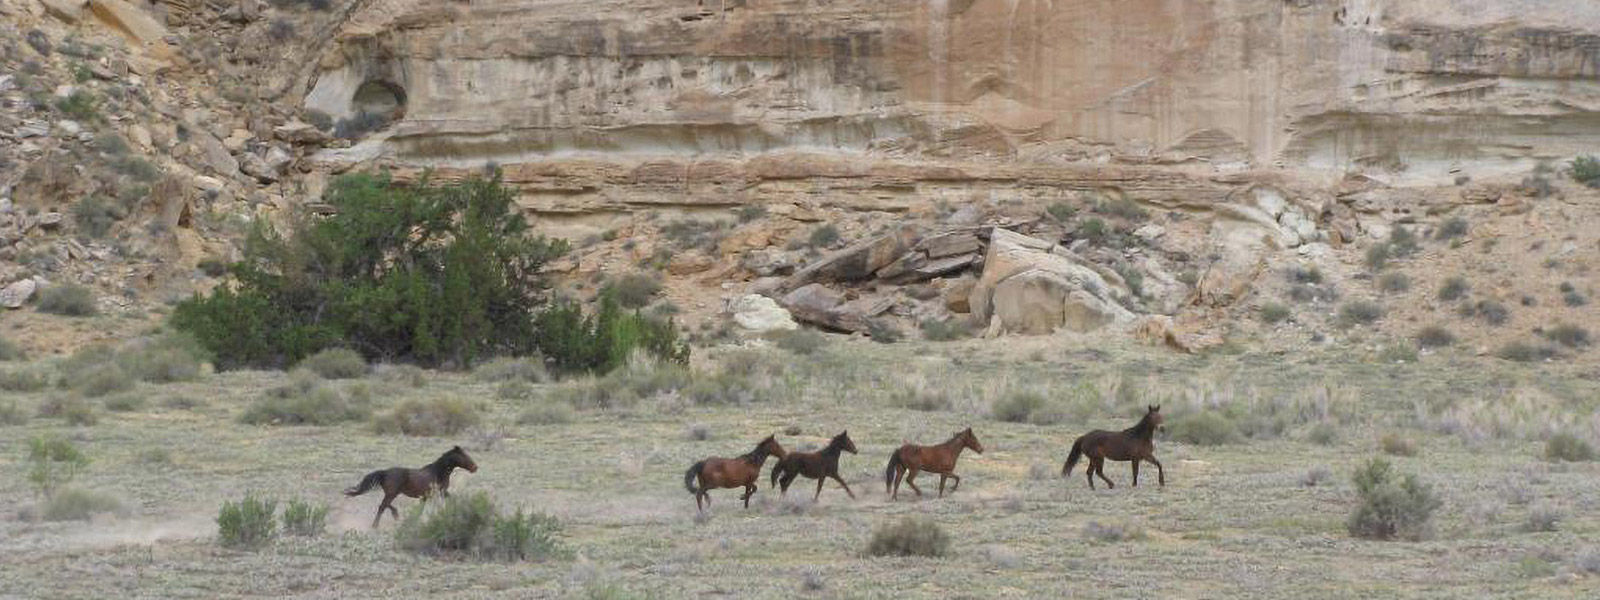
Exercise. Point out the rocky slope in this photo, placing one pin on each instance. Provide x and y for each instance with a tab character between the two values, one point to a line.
1183	153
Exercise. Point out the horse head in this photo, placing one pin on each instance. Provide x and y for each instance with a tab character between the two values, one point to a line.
771	446
457	457
970	440
842	441
1156	420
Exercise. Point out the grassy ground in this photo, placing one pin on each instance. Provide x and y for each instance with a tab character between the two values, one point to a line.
1234	520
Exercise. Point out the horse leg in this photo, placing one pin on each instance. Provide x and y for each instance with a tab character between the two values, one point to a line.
1135	472
749	490
942	478
956	481
1100	469
819	488
899	474
911	475
835	477
387	499
1161	474
1088	473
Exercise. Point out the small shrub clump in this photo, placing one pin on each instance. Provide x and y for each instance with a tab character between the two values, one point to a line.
804	342
1451	228
1493	313
1454	288
936	330
1569	335
1525	352
305	519
248	523
9	351
472	525
928	400
77	504
633	290
1360	312
1272	312
434	417
913	536
1569	448
1435	336
1586	170
824	236
1112	532
53	462
507	369
1019	406
1397	444
69	300
306	400
546	413
1205	428
1391	505
335	363
1394	282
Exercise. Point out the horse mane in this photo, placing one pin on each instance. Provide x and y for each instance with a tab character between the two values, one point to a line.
444	464
757	455
836	444
1143	429
955	439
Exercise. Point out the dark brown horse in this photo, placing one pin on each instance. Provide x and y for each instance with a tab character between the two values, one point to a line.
715	473
814	465
1134	443
911	459
416	483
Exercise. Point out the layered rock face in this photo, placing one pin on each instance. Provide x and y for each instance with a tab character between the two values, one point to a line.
684	92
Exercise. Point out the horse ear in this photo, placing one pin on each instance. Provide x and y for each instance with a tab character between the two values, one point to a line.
457	449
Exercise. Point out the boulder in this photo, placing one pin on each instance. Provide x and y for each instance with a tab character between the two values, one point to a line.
956	296
817	304
256	166
950	244
761	314
689	263
1031	286
130	19
50	220
1039	301
215	155
69	11
296	132
18	293
858	261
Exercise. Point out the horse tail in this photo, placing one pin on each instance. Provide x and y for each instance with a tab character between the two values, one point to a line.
777	470
1072	457
372	479
693	472
888	472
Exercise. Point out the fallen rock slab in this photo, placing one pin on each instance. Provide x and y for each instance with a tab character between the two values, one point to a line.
762	314
18	293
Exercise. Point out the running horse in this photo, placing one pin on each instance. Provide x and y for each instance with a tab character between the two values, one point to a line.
416	483
715	473
819	465
911	459
1135	444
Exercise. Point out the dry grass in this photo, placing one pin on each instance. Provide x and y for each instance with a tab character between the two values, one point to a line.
1234	519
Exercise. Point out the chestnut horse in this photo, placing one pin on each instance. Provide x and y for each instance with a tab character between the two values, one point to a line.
1134	443
416	483
911	459
715	473
814	465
